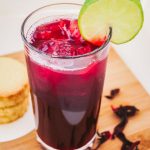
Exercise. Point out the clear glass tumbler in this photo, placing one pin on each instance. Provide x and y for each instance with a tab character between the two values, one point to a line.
66	91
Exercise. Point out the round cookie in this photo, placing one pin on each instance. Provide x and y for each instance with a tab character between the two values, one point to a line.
13	77
14	99
14	89
12	113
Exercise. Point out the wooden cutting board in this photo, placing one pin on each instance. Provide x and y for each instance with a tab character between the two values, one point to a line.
132	93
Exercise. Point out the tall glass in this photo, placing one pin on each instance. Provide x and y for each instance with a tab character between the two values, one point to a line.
66	91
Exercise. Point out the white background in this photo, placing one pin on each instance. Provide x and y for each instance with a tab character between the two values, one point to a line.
136	54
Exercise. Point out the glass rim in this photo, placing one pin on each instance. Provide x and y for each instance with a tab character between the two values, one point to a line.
61	57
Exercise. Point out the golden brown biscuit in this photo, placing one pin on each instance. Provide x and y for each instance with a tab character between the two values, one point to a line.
14	99
13	77
12	113
14	89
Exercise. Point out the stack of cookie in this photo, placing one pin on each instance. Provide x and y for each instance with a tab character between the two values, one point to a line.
14	90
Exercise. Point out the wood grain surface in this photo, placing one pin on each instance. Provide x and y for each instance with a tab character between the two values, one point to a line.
132	93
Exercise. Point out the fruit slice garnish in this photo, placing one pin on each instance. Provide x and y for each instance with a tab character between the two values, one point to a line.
125	17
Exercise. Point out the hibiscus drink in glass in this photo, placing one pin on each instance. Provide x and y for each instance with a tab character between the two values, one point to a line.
66	75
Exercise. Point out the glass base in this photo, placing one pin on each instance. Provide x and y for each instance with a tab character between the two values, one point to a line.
89	144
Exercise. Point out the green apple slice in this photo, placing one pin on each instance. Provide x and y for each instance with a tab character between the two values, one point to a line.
125	17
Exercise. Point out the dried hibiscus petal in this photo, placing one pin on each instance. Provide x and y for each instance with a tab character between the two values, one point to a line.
119	128
102	138
113	93
127	145
109	97
119	111
130	110
123	112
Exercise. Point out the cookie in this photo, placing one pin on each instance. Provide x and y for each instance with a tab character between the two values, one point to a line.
14	89
12	113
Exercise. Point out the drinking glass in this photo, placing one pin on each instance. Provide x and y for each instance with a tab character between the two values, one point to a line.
66	91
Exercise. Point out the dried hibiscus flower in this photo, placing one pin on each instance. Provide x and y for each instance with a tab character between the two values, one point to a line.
119	128
113	93
127	145
102	138
123	112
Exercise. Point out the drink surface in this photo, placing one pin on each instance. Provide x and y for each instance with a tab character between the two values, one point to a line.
61	38
66	102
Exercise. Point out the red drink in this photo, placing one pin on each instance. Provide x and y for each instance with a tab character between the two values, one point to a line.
66	75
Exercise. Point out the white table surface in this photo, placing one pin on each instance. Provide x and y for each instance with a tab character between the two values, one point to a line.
136	53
